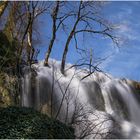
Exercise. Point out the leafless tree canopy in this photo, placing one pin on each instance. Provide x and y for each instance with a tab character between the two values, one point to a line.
86	19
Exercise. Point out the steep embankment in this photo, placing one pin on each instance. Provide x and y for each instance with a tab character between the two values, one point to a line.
26	123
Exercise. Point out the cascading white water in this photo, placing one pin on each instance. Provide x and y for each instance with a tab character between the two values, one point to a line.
98	103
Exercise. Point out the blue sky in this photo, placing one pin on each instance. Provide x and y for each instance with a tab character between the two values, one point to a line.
123	61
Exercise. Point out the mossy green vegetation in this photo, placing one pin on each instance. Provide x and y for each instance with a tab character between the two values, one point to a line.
26	123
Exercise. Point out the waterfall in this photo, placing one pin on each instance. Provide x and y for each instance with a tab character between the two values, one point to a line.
108	107
99	106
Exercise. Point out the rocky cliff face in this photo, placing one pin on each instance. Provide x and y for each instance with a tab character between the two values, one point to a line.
135	86
9	94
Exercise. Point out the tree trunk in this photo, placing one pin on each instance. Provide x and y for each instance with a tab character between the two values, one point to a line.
3	6
69	39
67	46
65	54
29	46
54	16
49	50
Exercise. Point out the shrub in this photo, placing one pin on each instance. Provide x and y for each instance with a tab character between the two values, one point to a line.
26	123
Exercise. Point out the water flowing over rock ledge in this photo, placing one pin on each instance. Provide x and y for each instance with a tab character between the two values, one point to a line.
99	106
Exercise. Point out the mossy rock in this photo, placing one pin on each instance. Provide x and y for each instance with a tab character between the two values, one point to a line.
8	90
27	123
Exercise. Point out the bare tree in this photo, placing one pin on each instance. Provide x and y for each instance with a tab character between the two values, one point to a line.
54	30
3	5
65	96
34	9
87	15
58	19
90	124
